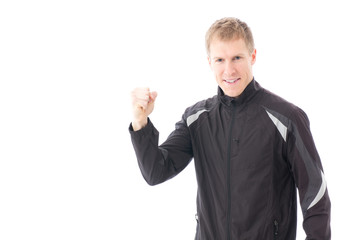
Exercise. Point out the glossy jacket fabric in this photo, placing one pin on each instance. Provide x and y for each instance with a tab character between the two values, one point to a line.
250	154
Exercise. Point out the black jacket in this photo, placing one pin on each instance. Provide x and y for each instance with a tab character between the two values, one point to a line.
250	154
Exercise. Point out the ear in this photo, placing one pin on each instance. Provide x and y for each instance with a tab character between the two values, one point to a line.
253	57
209	61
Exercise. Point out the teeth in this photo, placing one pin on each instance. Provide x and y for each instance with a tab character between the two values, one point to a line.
230	81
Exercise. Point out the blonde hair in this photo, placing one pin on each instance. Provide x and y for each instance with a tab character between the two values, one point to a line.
229	28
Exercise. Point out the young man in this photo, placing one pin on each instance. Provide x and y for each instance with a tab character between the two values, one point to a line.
251	150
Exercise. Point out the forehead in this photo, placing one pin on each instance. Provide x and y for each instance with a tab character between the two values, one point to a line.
228	47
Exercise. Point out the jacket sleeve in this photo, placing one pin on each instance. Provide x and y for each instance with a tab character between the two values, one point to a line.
160	163
309	177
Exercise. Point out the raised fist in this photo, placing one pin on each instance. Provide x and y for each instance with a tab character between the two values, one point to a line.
143	104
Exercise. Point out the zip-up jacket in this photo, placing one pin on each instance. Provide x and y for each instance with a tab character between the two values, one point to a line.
250	155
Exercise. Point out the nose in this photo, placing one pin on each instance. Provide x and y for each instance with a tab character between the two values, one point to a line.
229	69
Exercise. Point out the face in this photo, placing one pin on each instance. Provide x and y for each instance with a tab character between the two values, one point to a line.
231	64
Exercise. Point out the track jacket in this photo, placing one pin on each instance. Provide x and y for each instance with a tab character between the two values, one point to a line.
250	154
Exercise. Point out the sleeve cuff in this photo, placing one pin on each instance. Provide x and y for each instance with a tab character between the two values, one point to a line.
143	131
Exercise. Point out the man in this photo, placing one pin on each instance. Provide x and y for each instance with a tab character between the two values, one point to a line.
251	150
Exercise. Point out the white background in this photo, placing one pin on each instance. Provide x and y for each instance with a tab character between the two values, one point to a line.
67	167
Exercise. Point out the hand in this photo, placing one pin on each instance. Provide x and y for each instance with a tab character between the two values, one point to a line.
143	104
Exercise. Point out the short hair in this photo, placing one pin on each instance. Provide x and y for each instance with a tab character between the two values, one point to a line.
227	29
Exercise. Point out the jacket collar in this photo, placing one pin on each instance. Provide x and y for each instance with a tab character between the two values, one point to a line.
244	97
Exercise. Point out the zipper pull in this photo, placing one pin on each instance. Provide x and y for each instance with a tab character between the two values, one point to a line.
276	229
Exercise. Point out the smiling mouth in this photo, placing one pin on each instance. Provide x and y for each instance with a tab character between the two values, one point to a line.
230	81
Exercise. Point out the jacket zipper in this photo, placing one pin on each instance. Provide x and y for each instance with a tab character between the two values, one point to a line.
229	173
276	229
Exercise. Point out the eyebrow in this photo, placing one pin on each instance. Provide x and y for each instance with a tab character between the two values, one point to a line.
239	54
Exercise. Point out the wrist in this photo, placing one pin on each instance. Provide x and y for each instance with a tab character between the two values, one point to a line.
139	124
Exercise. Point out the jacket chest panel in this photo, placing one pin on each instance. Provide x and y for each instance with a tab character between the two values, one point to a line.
251	142
254	144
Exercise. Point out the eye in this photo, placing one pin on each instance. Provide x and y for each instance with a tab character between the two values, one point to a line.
237	58
219	60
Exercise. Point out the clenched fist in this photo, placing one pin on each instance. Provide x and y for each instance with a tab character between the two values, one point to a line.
143	104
